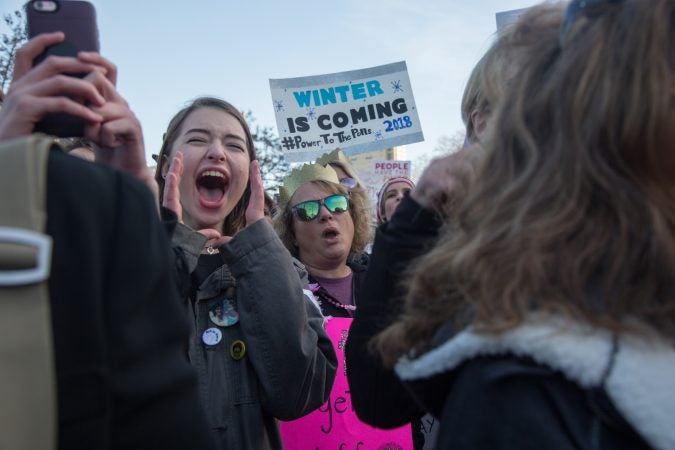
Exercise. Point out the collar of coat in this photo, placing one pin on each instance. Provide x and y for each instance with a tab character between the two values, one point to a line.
641	382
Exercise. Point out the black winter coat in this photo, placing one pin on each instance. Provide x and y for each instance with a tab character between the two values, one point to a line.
378	396
548	384
124	381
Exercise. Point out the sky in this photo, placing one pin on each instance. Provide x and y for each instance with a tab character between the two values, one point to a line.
169	52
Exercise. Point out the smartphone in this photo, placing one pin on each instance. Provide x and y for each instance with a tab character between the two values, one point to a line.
77	20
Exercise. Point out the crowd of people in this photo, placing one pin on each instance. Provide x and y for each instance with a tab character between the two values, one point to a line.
521	291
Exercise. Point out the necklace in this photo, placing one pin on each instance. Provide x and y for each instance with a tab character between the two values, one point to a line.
210	250
329	299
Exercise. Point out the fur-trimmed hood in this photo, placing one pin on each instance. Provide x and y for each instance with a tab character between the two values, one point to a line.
638	373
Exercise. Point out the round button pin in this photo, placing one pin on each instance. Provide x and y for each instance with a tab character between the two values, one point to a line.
223	313
212	336
237	350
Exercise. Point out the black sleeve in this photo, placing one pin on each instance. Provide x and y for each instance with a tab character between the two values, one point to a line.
169	220
181	269
377	395
504	403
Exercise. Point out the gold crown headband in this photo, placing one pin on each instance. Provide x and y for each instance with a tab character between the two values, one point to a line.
307	173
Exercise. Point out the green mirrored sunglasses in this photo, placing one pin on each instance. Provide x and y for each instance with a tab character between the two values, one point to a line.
309	210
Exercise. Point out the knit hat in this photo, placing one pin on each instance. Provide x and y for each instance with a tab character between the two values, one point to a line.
383	189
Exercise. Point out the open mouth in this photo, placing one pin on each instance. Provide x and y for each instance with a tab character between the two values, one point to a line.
329	234
212	185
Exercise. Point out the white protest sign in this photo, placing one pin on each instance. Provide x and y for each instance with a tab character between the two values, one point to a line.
357	111
372	183
505	18
381	171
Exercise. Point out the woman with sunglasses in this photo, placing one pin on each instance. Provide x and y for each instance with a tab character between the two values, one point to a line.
545	317
257	340
324	226
348	177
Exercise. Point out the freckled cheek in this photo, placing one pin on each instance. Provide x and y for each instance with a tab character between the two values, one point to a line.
241	179
242	171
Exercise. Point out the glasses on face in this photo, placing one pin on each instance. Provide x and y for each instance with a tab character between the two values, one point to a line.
309	210
348	182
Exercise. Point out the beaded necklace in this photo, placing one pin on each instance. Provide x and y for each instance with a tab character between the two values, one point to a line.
324	295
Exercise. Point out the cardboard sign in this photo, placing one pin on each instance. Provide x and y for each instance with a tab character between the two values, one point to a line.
357	111
334	426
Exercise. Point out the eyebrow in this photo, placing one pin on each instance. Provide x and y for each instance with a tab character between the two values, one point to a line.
205	131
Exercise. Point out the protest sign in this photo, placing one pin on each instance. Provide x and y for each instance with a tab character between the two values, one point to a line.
334	426
357	111
505	18
381	171
392	168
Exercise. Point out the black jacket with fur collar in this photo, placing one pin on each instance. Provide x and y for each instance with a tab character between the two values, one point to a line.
548	385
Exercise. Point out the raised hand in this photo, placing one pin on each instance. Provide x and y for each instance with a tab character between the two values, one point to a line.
47	88
256	204
171	197
119	136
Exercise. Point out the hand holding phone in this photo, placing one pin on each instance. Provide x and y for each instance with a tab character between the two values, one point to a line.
38	91
77	20
104	114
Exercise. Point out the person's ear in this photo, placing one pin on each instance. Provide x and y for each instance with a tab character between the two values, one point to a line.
479	122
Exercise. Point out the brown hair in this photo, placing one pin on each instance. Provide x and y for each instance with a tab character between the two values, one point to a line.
570	212
474	98
359	211
236	220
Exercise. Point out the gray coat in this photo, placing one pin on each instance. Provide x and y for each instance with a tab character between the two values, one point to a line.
288	367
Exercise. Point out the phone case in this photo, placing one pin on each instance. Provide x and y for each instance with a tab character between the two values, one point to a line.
77	19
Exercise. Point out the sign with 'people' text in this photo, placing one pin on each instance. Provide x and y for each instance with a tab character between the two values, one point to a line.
392	168
357	111
334	426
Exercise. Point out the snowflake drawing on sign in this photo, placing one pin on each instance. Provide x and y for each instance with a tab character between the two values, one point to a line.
278	105
311	114
396	86
378	135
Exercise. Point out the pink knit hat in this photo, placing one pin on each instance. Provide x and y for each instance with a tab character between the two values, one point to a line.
383	189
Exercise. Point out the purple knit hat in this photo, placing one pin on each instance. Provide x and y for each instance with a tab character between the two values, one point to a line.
383	189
